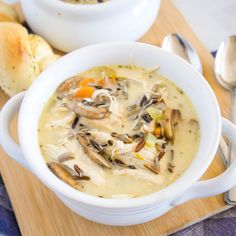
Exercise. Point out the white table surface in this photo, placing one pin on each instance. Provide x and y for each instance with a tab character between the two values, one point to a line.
211	20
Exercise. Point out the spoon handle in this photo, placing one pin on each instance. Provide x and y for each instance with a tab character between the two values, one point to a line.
233	106
230	196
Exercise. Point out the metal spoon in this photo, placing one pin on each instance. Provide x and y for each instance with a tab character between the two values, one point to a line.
225	70
176	44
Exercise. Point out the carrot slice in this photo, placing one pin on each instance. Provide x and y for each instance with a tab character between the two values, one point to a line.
84	92
85	82
96	81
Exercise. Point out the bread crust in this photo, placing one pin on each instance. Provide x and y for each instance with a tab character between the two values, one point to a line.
17	67
7	13
21	57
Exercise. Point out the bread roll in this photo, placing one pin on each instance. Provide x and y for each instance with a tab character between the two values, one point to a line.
40	48
21	58
49	59
7	13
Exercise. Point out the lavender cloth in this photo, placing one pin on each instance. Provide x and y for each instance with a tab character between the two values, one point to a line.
223	224
8	224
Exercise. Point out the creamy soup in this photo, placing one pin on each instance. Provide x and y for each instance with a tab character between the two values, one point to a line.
119	132
85	1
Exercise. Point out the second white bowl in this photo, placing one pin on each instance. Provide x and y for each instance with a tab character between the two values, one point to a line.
69	26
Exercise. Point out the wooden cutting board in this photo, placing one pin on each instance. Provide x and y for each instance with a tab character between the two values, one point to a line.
38	210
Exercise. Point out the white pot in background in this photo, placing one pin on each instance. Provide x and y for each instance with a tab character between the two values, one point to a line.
69	26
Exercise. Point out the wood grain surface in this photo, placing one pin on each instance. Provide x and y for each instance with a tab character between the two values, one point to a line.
39	212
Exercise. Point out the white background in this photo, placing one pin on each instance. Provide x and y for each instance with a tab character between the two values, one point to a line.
211	20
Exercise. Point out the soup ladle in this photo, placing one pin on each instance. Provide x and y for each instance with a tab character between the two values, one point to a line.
225	70
176	44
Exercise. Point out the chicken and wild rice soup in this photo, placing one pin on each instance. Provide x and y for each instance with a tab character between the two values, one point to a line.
118	132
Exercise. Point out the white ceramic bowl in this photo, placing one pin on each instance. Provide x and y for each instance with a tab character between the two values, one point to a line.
68	26
121	211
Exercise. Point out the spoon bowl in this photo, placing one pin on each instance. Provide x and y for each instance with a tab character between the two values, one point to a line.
225	63
176	44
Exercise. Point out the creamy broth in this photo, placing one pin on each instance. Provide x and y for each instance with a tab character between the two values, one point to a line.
125	170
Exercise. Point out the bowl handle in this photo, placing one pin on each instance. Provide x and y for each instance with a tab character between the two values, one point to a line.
219	184
8	144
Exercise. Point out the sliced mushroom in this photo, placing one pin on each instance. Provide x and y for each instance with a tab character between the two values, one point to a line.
170	119
168	123
68	169
176	116
89	112
93	155
63	174
67	85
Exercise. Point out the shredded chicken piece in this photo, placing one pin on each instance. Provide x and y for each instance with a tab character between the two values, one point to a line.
141	174
106	124
53	151
61	122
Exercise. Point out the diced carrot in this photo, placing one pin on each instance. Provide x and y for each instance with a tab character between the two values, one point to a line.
157	132
101	82
84	92
85	82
